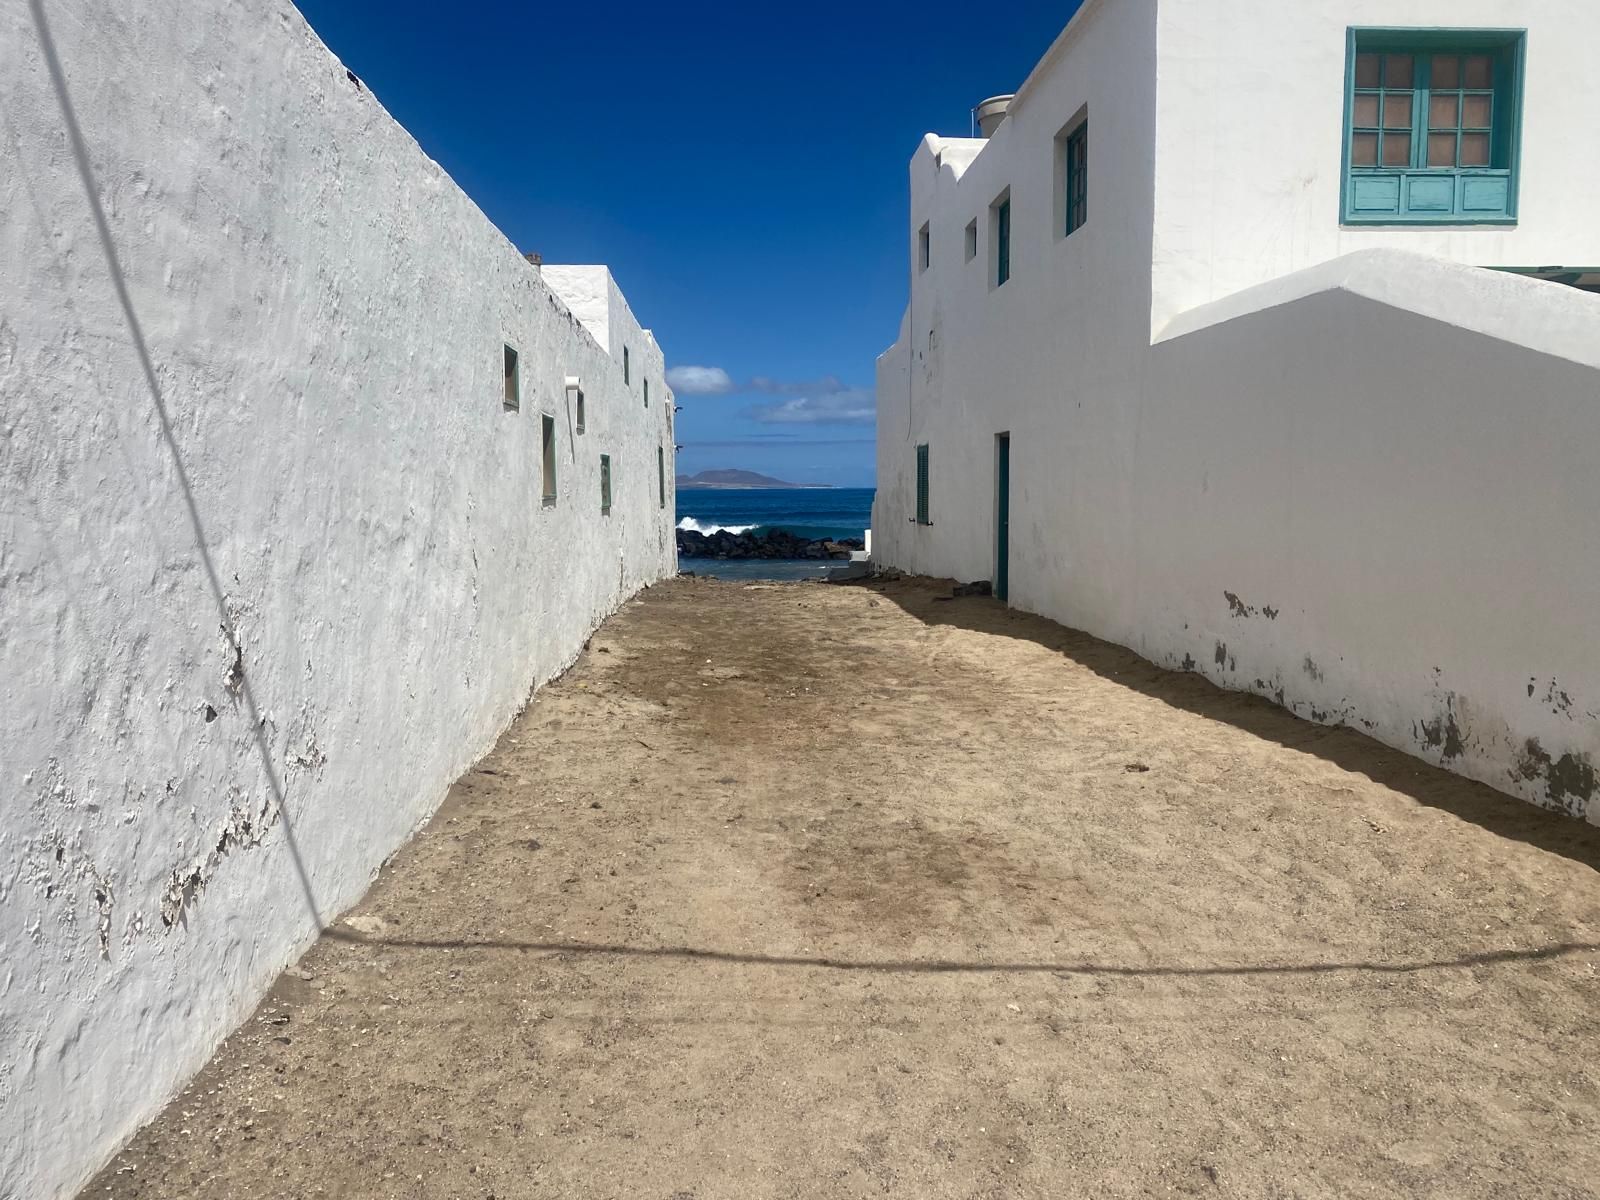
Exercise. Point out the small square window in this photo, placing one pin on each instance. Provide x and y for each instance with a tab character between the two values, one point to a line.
547	428
513	388
1000	240
972	239
1072	175
924	247
1077	178
605	484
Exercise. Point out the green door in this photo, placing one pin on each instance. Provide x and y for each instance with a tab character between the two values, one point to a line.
1002	532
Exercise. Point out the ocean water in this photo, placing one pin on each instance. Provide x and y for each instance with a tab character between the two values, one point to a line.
810	513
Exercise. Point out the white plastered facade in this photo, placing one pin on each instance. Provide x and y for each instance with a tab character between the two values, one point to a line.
1342	467
275	560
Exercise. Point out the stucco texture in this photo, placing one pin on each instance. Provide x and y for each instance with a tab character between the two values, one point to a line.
1348	470
274	563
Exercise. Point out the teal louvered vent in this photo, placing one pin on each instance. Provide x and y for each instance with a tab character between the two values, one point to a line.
922	485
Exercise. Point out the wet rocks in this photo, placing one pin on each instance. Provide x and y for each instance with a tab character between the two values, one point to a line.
771	543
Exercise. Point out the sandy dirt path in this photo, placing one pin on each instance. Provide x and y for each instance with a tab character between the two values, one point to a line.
817	891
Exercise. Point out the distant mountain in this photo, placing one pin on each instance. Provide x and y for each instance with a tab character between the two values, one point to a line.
737	479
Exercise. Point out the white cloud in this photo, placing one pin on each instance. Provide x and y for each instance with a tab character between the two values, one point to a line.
848	406
699	381
825	401
826	386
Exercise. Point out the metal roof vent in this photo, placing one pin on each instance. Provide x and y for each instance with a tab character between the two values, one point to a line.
991	112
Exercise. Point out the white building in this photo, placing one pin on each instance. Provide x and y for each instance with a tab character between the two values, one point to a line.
1201	357
307	479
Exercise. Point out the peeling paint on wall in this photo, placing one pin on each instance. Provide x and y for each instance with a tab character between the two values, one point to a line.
1238	608
104	900
241	831
1442	734
1570	781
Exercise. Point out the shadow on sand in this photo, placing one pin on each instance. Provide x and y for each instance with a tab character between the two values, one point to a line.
1486	958
1505	816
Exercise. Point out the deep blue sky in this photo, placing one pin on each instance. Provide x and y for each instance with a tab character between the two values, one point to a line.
740	167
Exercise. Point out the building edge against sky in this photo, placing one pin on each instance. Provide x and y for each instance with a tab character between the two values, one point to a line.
302	494
1184	369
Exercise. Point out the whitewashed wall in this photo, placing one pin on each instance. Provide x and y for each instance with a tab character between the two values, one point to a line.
593	297
274	566
1043	357
1251	98
1367	491
1390	452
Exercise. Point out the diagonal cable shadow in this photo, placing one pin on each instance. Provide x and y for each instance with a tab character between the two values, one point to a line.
80	154
1485	958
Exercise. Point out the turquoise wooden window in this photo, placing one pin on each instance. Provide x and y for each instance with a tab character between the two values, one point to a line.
1002	244
605	484
1078	178
922	485
1432	126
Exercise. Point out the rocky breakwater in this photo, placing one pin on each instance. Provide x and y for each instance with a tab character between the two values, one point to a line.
772	543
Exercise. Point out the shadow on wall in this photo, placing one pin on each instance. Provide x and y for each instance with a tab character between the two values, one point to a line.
238	679
1499	814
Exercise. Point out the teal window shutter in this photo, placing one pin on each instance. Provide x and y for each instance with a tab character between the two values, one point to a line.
1003	242
1433	121
922	485
1077	178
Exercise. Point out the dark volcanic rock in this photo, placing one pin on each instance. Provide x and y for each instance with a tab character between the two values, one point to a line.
774	543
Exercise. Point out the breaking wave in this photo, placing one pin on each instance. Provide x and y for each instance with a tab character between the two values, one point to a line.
708	528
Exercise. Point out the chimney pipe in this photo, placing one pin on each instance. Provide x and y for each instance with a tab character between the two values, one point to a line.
991	112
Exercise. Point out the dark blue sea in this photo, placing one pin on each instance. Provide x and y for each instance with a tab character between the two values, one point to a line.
805	512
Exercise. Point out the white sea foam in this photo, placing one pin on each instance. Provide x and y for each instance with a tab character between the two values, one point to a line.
690	524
